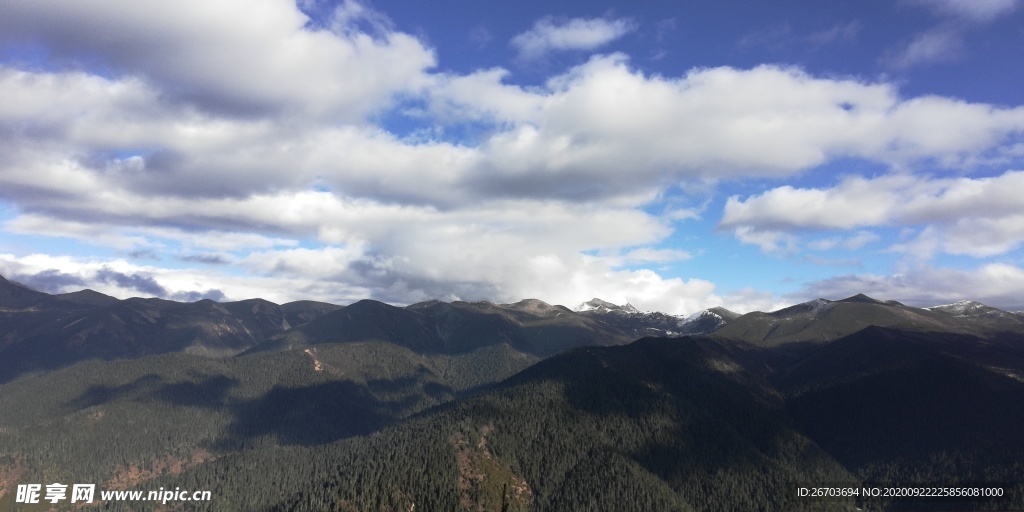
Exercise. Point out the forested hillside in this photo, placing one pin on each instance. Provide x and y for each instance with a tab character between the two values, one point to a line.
525	406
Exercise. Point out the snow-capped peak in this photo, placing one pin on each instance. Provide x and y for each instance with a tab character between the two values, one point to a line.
707	313
603	306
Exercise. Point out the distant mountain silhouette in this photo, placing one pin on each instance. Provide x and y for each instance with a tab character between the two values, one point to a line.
821	320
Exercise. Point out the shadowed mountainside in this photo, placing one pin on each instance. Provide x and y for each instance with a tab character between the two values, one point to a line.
530	326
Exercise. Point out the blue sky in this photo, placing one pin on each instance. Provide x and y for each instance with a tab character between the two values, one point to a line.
675	155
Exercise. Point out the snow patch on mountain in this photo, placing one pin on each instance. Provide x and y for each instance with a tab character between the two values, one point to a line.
969	308
957	308
708	320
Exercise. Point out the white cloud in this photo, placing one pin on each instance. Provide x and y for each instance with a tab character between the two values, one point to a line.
645	289
750	299
885	200
482	95
771	38
570	141
850	243
976	237
946	40
649	255
602	117
964	216
941	43
980	11
238	56
769	241
547	35
979	236
854	202
839	33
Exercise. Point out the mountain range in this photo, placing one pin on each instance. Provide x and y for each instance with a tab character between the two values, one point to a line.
521	406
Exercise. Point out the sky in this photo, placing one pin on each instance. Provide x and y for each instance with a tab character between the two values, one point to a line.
674	155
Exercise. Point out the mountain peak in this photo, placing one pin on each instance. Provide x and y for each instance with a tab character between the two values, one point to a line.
87	297
706	321
813	307
604	306
715	312
5	284
424	304
860	297
17	295
536	306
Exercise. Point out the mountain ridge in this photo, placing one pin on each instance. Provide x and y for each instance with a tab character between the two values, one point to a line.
822	320
43	331
13	291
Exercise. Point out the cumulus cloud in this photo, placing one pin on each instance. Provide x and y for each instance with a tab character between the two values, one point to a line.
970	216
602	117
896	198
237	56
570	141
854	202
548	35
